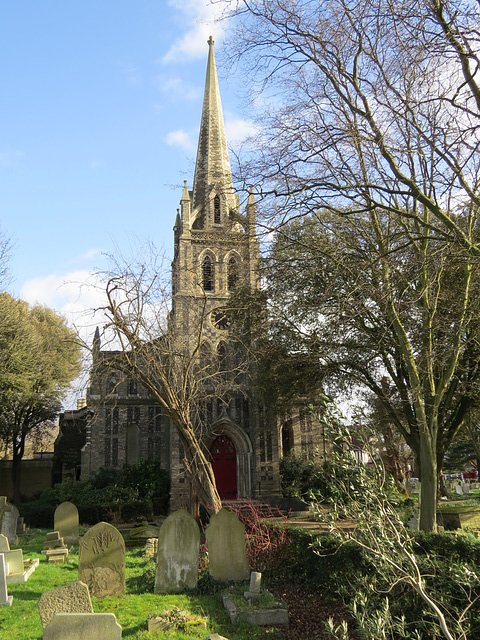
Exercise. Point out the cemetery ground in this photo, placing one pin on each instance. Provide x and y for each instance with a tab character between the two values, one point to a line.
21	621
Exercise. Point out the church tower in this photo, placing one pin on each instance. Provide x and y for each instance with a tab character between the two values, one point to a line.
216	249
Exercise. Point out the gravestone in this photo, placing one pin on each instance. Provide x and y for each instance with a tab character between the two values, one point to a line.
178	553
14	559
9	523
5	599
254	588
101	561
459	490
78	626
4	545
466	488
21	528
226	547
71	598
66	522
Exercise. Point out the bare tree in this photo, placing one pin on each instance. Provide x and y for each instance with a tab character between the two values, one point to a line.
171	359
371	105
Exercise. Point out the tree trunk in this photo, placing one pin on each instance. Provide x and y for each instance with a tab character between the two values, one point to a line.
428	491
16	475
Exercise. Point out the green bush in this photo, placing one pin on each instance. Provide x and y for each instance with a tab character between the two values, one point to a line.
136	491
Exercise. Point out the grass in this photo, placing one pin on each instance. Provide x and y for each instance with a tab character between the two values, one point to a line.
21	621
265	600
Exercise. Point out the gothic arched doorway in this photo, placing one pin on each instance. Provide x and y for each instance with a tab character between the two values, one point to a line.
224	463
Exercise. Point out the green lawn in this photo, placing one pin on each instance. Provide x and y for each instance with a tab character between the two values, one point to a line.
22	621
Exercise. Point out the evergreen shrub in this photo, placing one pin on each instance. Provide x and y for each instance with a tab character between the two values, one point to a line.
136	491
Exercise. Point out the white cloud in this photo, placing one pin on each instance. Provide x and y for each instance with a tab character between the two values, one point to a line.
174	86
203	17
180	138
75	295
238	130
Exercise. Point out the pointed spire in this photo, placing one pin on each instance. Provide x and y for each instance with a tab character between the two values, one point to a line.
96	340
213	164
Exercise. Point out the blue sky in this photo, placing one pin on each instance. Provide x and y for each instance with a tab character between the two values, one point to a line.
100	104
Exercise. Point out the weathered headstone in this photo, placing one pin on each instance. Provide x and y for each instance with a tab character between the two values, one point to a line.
254	588
21	526
66	522
71	598
52	541
459	490
14	559
9	523
226	547
178	553
151	548
4	544
101	560
466	488
5	599
78	626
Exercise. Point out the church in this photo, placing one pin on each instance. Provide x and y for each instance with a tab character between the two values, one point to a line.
215	249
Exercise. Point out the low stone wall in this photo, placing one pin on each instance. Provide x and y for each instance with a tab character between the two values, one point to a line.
36	476
459	518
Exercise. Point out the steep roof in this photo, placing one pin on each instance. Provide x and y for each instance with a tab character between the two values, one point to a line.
212	168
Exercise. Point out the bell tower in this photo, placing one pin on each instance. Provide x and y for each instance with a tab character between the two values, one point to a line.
215	245
215	250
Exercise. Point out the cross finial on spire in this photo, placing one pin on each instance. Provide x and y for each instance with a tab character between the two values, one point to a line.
211	41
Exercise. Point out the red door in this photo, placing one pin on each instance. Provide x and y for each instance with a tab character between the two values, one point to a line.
224	463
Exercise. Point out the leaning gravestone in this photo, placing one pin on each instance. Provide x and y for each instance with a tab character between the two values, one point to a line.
71	598
9	523
78	626
4	545
226	547
101	561
178	553
66	522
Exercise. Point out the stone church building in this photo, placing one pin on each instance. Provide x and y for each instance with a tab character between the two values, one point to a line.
215	249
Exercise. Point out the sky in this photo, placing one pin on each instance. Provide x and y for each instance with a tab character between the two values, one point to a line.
100	105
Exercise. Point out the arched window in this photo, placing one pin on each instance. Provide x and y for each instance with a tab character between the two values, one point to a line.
222	357
216	210
208	274
232	274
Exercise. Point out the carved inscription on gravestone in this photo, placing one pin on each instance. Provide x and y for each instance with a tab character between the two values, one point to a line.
101	560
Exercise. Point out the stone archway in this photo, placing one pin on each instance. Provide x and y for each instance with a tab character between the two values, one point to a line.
224	463
234	462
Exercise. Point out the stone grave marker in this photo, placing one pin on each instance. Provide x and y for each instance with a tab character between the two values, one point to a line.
4	544
66	522
178	553
466	488
254	588
78	626
459	490
9	523
101	560
20	570
21	528
5	599
226	547
71	598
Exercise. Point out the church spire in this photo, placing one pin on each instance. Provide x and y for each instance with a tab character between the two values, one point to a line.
212	169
